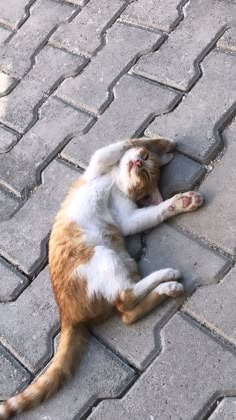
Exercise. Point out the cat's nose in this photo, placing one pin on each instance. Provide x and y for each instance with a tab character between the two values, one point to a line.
138	163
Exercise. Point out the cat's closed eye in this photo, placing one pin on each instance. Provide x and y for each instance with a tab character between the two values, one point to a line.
146	156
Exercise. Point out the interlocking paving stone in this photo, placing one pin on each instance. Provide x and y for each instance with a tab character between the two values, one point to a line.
7	140
6	83
101	375
218	310
11	284
228	40
160	14
226	410
13	376
134	245
78	2
91	88
39	144
52	65
193	124
27	325
85	33
191	369
216	219
12	12
203	21
181	174
4	34
139	343
8	205
44	16
23	237
136	101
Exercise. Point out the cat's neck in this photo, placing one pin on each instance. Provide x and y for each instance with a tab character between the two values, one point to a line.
118	183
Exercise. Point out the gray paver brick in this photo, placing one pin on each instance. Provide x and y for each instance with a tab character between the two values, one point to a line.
194	122
85	33
23	237
160	14
180	175
219	190
91	88
44	16
4	34
218	310
7	140
27	325
12	12
101	375
8	205
13	376
191	369
226	410
6	83
203	21
140	343
136	101
134	245
39	144
228	40
17	109
11	284
78	2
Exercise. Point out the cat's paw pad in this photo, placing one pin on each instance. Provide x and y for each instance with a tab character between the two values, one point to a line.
188	201
172	289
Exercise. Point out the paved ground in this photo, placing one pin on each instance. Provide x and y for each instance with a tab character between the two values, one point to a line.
79	74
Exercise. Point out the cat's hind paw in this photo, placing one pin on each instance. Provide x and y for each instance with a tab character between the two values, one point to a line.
171	289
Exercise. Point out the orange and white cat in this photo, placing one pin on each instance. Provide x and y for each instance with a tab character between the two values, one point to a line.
91	271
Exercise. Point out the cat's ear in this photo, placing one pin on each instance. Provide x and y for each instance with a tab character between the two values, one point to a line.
152	199
164	149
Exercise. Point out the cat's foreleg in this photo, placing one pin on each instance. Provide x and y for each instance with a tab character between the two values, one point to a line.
149	217
133	295
106	157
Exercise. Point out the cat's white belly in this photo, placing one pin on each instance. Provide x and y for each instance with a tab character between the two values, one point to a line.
94	207
106	274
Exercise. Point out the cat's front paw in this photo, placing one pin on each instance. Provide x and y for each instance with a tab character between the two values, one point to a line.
185	202
171	289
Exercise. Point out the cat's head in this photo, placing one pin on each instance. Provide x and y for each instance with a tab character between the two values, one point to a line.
139	171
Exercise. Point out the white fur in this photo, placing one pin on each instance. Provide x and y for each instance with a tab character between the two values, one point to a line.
14	403
154	279
103	200
170	288
3	412
106	274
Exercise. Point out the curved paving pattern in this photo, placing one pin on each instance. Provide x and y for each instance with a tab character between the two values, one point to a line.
195	122
225	410
76	75
187	45
162	14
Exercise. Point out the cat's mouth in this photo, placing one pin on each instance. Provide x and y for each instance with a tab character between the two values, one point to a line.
135	164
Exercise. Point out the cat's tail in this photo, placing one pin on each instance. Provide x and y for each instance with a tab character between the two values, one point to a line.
71	346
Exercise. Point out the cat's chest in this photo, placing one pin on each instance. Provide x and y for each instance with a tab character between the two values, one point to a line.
119	205
90	202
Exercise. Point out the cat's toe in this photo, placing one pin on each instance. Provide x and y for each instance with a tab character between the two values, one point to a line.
171	289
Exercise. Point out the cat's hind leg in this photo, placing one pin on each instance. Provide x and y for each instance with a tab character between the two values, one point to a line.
153	299
133	295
